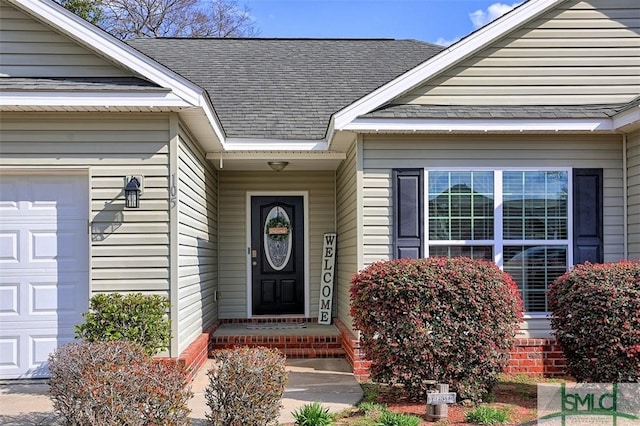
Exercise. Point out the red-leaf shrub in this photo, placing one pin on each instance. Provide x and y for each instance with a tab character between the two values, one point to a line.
447	319
116	383
596	320
245	387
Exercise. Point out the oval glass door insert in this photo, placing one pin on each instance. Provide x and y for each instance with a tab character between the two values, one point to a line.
277	238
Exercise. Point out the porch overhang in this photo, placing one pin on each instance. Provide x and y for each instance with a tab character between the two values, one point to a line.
258	160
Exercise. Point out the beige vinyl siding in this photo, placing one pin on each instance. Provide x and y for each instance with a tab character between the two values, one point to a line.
633	167
32	49
582	52
129	247
383	153
198	241
348	222
232	229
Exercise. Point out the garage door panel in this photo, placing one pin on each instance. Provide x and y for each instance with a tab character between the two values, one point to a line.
9	247
58	299
9	300
37	246
38	196
44	263
53	301
9	352
27	355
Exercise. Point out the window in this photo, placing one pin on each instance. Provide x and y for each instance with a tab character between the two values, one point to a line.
517	218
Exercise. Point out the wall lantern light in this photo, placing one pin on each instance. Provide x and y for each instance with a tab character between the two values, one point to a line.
278	166
132	191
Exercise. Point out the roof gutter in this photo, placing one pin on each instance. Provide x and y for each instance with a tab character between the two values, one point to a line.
479	125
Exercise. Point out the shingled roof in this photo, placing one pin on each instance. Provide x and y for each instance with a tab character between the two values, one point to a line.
285	88
79	84
499	111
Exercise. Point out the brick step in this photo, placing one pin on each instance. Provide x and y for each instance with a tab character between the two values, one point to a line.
300	352
292	346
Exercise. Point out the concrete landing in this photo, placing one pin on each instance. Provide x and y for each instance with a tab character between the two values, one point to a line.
326	380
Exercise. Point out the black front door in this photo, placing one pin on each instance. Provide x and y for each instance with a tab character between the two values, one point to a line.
277	255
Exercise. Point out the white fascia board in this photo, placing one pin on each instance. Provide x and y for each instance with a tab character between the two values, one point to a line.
331	130
212	117
445	59
255	144
280	155
98	40
625	118
21	98
479	125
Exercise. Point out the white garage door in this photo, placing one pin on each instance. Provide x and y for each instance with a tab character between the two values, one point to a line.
44	263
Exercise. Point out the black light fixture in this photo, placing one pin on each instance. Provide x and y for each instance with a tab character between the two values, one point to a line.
132	191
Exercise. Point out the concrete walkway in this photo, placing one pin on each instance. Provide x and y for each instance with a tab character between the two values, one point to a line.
327	380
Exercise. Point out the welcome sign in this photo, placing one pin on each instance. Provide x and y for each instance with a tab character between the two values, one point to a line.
326	278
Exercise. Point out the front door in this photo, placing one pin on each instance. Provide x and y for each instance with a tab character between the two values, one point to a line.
277	255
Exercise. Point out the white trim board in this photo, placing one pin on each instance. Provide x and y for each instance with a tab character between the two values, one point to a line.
94	99
257	144
307	279
481	125
280	155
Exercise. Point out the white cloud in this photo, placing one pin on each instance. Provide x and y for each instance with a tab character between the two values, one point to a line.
446	42
481	18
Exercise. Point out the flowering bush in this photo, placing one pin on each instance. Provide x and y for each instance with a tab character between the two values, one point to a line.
596	319
245	387
116	383
447	319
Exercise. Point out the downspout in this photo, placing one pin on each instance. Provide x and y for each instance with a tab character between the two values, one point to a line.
625	199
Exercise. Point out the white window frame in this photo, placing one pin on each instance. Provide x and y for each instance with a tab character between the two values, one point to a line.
498	242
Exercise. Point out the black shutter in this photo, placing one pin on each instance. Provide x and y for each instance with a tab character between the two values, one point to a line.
587	216
408	213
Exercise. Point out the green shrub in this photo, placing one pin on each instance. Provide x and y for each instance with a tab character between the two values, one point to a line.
485	415
372	409
135	318
596	320
313	414
116	383
447	319
388	418
245	387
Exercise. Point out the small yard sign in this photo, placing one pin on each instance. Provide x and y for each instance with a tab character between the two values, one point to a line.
326	278
441	398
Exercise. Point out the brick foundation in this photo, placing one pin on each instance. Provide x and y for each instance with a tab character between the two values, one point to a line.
353	352
197	352
533	357
536	357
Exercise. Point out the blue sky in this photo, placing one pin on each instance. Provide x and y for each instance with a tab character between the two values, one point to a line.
436	21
